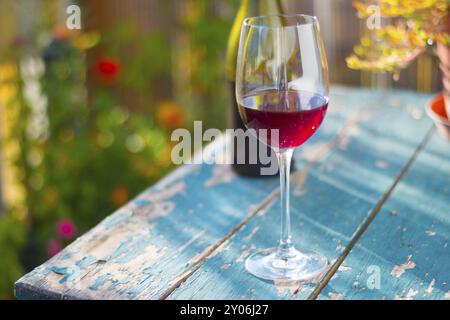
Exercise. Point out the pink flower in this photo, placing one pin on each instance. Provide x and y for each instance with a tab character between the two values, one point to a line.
53	247
66	228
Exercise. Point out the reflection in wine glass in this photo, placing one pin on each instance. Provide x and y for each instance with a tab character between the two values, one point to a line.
282	86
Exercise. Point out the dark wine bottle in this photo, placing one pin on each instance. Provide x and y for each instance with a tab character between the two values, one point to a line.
248	8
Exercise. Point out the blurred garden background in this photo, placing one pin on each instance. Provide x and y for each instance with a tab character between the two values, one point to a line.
86	115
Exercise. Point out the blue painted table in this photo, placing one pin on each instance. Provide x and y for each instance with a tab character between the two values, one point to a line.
371	191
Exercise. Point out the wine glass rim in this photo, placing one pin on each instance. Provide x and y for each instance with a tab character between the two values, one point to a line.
307	19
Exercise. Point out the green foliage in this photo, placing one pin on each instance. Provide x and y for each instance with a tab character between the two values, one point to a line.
413	25
82	149
84	158
12	235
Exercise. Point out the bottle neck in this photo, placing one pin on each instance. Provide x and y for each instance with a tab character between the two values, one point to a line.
248	8
265	7
253	8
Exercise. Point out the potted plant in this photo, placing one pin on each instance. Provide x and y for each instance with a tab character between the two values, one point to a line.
409	28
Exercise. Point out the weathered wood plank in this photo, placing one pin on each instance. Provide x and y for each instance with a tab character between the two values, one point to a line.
162	232
142	250
408	241
335	197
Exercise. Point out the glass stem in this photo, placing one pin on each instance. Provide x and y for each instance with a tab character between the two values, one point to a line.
285	247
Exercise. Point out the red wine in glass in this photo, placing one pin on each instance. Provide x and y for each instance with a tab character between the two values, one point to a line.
282	87
295	114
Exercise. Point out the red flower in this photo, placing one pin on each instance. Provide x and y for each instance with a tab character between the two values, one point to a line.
53	247
119	195
66	228
108	70
18	42
170	115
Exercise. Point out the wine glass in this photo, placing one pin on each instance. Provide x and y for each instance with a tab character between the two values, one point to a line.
282	92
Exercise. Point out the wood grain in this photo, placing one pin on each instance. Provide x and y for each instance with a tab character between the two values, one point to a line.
148	246
188	236
339	193
408	241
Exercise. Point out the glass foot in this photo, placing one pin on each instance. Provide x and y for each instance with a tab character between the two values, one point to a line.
301	265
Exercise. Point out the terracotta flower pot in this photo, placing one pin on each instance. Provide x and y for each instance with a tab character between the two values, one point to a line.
436	111
438	108
443	52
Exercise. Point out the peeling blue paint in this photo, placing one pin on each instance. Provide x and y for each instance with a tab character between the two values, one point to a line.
114	283
70	273
100	281
65	256
141	203
129	249
86	262
59	270
346	183
120	216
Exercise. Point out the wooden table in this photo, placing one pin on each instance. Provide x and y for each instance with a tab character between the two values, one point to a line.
371	191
